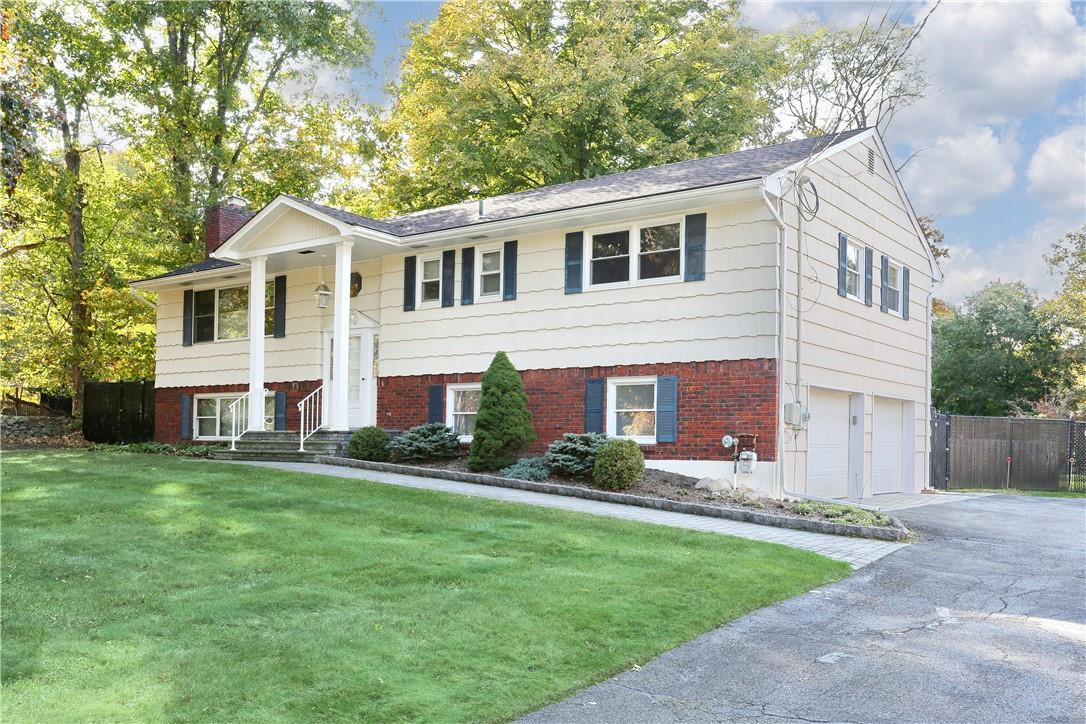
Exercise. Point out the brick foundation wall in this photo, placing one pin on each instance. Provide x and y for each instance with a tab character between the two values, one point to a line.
168	404
715	398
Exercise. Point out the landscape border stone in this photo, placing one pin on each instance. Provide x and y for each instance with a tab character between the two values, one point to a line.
896	533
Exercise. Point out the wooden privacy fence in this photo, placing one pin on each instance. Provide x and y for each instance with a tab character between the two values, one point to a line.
1007	452
119	411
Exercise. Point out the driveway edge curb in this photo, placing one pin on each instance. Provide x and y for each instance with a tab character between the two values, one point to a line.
896	534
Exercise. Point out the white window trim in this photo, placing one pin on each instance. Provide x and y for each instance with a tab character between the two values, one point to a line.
613	383
217	289
218	412
440	281
634	230
900	280
450	394
862	273
478	271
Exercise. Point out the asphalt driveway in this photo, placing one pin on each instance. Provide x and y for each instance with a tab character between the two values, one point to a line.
982	620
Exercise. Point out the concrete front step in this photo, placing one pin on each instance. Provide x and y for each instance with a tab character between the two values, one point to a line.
282	446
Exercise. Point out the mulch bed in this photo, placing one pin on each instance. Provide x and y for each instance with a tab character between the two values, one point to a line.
672	486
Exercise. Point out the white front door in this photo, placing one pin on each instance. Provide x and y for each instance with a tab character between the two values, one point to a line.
359	385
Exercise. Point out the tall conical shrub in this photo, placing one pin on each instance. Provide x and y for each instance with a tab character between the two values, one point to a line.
503	425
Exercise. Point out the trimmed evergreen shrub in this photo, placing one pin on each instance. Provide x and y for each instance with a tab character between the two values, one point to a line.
619	465
368	443
503	426
533	468
432	441
574	456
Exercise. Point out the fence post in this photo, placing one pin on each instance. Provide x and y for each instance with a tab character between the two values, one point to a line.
946	452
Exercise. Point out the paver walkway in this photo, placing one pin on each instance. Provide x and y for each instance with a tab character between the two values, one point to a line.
855	551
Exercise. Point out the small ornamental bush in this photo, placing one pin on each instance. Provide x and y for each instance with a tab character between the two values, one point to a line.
503	426
368	443
432	441
619	465
533	468
574	456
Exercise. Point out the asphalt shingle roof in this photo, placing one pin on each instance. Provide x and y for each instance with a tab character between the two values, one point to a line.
753	163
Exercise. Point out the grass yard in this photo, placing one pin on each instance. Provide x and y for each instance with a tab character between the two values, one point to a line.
1016	491
140	587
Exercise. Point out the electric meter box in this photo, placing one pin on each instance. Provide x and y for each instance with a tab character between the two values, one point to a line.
796	415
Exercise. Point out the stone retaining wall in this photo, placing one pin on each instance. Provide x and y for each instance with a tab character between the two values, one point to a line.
21	427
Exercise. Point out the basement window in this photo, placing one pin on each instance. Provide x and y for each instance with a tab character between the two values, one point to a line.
214	418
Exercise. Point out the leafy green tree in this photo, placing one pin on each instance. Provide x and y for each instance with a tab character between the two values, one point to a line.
498	96
503	425
204	78
997	356
1067	312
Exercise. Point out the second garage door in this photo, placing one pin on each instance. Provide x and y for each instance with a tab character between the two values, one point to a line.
886	450
827	444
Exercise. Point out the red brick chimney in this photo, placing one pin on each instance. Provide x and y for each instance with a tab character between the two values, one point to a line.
222	220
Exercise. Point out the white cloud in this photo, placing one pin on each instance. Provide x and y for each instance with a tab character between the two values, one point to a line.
1057	171
957	173
991	63
1019	258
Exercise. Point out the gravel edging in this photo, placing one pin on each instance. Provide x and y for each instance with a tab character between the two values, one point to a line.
898	533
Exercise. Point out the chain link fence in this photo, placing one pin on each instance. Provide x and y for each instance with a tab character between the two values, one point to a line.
1007	452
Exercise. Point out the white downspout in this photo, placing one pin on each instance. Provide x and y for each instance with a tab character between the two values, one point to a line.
778	474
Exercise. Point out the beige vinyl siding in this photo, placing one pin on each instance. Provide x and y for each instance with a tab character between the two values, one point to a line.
847	345
297	356
730	315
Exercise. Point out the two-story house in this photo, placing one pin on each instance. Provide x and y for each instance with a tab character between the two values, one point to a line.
780	292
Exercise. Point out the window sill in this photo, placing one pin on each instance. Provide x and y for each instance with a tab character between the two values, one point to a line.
636	283
639	440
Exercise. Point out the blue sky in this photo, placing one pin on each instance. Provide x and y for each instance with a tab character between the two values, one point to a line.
1003	159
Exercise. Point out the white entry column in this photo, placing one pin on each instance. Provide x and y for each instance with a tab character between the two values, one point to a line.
257	267
341	325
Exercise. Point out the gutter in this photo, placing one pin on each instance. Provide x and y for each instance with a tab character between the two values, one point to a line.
140	298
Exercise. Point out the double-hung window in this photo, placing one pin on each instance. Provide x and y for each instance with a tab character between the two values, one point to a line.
610	257
489	284
219	314
461	408
660	253
215	415
430	280
893	287
631	408
854	262
640	253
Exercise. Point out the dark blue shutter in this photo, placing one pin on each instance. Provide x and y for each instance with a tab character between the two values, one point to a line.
467	275
667	408
574	263
869	263
884	302
408	283
842	265
904	292
593	406
695	248
435	403
279	307
186	324
448	271
186	417
509	271
280	410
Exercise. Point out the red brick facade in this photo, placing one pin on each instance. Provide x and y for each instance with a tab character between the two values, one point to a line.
715	398
168	404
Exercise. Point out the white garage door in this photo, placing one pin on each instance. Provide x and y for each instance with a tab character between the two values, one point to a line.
886	457
827	444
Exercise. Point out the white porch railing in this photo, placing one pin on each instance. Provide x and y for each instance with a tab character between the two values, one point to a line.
239	423
310	415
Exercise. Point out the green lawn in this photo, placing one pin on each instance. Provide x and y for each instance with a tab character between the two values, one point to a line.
1016	491
140	587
